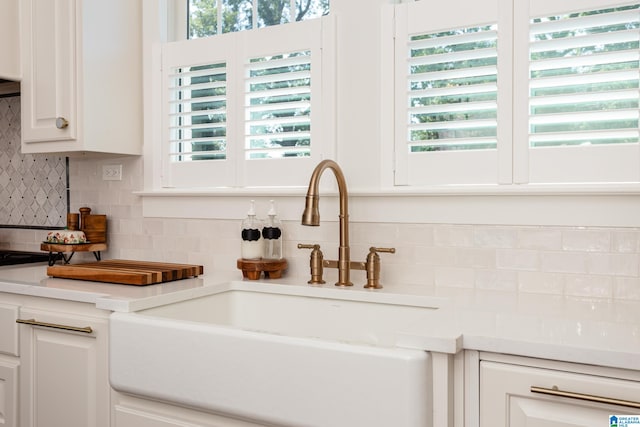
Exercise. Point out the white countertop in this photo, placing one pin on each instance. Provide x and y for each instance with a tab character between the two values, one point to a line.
584	330
33	280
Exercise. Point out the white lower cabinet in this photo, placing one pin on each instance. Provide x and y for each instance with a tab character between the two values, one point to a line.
9	364
568	395
129	411
63	366
9	390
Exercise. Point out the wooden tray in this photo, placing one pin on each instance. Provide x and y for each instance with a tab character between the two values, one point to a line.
76	247
126	272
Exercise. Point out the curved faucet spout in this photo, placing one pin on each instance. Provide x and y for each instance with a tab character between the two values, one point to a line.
311	215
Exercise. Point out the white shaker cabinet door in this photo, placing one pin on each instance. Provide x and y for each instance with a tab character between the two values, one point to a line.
9	391
63	377
49	80
10	40
81	77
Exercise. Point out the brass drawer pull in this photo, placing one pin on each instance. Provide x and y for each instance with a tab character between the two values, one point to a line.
588	397
34	322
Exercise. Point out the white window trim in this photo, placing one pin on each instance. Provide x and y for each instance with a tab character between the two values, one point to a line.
156	32
539	205
515	164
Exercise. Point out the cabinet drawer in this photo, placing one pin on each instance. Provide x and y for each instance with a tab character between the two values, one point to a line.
509	398
9	329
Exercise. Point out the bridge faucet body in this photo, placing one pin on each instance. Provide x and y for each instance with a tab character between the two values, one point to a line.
311	215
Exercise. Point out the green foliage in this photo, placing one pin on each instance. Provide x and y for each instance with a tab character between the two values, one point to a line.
237	15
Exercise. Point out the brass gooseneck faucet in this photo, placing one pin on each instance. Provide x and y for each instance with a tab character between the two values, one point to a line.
311	215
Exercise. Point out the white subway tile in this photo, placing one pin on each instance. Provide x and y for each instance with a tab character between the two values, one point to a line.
407	274
586	240
435	257
416	234
581	262
626	288
454	277
153	226
541	238
374	234
476	258
453	236
517	259
495	237
613	264
541	283
625	241
589	286
563	262
501	280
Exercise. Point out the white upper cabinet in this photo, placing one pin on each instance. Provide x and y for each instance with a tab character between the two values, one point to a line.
9	40
81	77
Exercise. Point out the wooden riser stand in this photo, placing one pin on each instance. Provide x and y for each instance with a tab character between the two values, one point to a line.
94	228
253	268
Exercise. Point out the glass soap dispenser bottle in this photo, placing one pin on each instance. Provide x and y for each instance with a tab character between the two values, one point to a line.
252	245
272	234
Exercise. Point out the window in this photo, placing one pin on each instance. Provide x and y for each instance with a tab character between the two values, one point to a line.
278	106
452	90
583	86
210	17
198	112
245	108
583	95
450	94
517	92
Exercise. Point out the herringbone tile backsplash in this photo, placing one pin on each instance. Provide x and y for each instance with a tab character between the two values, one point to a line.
33	188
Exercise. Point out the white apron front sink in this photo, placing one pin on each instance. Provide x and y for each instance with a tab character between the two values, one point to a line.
282	355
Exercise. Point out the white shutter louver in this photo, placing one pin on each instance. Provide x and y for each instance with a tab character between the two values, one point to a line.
278	106
453	90
198	113
584	78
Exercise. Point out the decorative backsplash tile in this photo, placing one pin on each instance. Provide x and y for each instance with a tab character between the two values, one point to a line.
33	188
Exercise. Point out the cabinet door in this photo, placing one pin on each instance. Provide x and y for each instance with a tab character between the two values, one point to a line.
48	57
64	379
506	398
9	391
9	329
9	40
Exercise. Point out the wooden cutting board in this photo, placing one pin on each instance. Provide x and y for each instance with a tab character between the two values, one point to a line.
126	272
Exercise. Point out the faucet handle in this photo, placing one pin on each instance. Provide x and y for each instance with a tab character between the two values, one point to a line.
373	266
315	263
373	249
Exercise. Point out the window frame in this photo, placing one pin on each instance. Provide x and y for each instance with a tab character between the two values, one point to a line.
515	163
452	167
371	188
537	165
317	35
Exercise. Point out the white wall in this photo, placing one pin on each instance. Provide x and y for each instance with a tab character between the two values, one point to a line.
598	262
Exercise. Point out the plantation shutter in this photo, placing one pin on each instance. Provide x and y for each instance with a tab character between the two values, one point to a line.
453	90
583	94
283	94
197	104
448	101
197	112
238	108
278	106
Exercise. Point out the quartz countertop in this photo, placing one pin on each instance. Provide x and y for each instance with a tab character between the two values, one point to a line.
596	331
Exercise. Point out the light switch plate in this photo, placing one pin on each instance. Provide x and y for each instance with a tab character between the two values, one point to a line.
112	172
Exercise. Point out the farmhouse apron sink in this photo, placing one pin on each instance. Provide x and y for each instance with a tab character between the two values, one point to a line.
284	355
